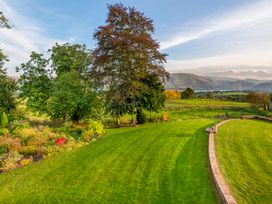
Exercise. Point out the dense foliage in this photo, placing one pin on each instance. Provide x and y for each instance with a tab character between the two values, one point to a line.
71	98
188	93
259	100
60	85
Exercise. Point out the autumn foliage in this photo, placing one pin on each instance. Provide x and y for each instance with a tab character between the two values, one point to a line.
172	94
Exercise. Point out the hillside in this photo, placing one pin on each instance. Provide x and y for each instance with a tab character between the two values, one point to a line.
263	87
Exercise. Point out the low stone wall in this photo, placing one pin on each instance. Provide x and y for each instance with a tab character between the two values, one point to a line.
256	117
220	184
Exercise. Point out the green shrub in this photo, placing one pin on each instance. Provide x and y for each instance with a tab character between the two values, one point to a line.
4	120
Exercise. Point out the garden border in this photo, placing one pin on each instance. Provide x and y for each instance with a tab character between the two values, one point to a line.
220	184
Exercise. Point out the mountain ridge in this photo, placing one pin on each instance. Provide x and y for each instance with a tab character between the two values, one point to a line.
180	81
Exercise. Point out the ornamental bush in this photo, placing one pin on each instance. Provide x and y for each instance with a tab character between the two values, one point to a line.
96	127
4	120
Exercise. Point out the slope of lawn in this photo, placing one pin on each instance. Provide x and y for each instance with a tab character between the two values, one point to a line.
244	150
155	163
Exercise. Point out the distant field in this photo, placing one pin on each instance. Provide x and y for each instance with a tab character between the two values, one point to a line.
244	149
155	163
231	94
196	109
189	103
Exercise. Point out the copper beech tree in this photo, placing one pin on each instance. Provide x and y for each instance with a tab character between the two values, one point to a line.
125	54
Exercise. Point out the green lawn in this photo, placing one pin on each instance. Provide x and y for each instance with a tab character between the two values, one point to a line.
244	149
155	163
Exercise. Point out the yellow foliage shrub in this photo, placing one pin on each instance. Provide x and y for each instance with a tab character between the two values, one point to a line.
172	94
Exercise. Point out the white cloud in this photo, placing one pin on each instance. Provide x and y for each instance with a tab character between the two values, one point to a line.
250	15
24	37
256	58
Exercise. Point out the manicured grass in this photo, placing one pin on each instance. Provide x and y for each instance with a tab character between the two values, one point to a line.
244	150
155	163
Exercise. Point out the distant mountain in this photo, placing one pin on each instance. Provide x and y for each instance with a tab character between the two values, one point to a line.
237	72
263	87
244	74
184	80
180	81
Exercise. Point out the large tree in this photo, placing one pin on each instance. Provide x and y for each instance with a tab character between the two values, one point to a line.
125	54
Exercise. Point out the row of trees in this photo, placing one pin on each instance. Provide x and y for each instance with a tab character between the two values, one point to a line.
125	71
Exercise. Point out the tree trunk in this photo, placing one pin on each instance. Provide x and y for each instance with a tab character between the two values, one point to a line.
118	121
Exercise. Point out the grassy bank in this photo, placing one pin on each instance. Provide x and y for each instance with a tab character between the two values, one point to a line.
244	149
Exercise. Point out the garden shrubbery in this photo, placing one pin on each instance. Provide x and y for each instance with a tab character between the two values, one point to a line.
21	144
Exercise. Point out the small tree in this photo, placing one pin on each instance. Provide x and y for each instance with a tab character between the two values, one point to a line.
188	93
35	82
4	120
259	100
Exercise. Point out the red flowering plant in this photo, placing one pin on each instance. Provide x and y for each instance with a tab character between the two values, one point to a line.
60	141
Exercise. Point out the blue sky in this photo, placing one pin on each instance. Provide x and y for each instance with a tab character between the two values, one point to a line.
194	33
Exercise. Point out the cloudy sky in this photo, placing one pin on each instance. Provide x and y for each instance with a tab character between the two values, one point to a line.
194	33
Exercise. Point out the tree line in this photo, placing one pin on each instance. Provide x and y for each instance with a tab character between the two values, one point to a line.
123	74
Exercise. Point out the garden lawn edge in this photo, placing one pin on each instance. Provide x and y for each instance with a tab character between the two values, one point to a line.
220	184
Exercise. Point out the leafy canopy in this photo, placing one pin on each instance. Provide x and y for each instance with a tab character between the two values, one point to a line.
125	54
